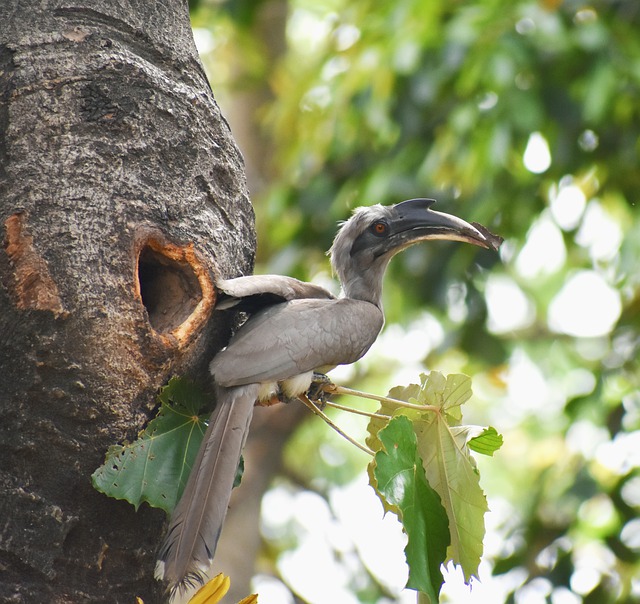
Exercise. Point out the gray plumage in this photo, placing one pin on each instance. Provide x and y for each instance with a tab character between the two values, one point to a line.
294	329
256	291
197	520
296	337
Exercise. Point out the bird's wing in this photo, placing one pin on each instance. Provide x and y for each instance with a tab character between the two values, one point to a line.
294	337
257	291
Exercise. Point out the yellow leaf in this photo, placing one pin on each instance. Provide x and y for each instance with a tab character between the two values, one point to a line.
252	599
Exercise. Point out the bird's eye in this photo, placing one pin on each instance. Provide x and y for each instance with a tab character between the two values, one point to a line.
379	228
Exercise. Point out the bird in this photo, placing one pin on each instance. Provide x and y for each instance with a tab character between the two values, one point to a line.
294	330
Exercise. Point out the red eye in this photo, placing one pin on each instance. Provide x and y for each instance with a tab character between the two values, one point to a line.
380	228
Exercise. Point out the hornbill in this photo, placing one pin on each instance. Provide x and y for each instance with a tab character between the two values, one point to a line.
294	330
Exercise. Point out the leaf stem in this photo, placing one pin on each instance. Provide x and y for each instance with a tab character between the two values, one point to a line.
356	411
334	389
314	409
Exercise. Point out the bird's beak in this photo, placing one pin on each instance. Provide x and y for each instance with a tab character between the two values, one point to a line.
415	221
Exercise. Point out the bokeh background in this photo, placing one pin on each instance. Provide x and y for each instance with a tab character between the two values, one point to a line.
523	115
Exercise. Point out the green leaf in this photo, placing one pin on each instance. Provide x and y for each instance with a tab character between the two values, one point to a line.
403	393
449	393
452	473
239	473
481	440
376	424
401	480
486	443
444	446
156	466
183	395
450	469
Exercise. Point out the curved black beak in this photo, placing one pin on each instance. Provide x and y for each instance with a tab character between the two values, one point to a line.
415	221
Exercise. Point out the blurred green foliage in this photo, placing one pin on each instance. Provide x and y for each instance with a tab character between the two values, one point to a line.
362	102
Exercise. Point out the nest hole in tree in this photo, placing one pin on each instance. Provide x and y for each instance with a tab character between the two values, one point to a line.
169	288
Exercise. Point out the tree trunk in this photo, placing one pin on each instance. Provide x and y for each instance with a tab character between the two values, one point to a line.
122	197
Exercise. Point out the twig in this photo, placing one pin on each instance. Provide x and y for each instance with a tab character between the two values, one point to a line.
314	409
356	411
334	389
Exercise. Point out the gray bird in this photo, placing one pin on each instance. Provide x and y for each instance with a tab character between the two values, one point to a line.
294	330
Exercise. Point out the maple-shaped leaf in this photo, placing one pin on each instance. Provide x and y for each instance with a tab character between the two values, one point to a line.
401	480
155	467
450	469
444	445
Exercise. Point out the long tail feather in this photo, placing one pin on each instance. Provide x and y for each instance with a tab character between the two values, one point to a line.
196	522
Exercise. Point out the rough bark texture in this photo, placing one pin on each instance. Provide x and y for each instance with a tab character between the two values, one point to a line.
122	196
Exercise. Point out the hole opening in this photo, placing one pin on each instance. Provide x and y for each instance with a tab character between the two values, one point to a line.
169	289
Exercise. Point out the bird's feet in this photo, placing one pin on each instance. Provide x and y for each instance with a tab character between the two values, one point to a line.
317	392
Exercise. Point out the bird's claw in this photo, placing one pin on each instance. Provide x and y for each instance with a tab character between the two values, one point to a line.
318	391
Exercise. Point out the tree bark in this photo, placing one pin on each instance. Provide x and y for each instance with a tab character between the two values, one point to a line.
122	198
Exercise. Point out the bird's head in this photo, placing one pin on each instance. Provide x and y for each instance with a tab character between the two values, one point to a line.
373	235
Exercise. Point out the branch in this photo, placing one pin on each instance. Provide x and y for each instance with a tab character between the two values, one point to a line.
356	411
332	388
314	409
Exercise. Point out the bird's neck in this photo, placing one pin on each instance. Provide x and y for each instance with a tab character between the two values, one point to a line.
363	287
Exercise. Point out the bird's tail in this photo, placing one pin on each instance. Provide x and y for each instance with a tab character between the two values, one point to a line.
196	522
